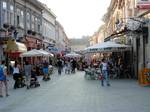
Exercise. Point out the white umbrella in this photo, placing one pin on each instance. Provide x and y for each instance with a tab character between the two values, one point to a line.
46	53
107	47
35	53
72	55
31	53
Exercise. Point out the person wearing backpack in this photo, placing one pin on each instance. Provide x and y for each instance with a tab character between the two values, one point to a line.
3	80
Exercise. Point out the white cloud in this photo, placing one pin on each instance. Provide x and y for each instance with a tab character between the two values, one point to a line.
78	17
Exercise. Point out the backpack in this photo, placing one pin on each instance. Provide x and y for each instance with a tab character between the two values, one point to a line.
2	76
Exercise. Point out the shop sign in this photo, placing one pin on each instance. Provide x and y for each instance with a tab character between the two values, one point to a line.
143	4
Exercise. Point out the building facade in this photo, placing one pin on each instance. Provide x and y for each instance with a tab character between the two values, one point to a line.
62	41
29	22
127	21
48	27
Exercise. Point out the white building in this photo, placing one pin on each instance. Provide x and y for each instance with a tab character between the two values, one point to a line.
62	41
48	29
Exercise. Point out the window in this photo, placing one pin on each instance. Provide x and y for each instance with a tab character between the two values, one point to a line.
39	26
32	23
18	17
22	19
36	24
4	5
28	20
11	14
18	20
4	12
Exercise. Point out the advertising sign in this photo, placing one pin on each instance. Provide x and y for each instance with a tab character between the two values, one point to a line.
143	4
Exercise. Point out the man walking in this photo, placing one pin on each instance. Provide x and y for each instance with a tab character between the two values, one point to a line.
3	80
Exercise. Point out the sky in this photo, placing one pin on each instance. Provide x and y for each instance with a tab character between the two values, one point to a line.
79	17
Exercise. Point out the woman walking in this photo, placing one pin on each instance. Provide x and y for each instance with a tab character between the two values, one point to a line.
16	74
104	71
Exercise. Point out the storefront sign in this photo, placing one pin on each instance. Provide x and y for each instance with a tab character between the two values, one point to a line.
143	4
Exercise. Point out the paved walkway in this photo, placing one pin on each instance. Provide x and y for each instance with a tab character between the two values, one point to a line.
73	93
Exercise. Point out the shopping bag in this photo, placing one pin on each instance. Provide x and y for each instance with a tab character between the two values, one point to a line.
100	77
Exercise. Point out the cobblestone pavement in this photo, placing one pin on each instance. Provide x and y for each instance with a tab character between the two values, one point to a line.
73	93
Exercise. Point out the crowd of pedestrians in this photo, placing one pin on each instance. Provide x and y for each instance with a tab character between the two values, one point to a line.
66	65
23	74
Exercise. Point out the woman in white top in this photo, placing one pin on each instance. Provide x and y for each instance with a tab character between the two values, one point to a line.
16	74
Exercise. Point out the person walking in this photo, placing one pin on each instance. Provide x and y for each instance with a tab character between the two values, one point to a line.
3	79
104	71
74	64
16	74
27	70
45	71
59	64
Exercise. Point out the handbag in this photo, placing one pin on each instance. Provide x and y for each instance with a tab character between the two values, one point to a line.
100	77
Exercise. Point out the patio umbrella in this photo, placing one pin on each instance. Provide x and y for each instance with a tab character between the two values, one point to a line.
32	53
35	53
72	55
46	52
108	46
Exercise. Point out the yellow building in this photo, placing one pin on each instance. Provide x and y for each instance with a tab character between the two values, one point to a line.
120	15
116	18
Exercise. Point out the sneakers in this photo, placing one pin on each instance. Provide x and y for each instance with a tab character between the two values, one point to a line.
108	84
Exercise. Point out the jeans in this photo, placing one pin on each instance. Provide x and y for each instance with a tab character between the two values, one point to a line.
105	77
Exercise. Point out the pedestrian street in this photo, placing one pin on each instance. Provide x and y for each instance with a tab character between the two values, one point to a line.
73	93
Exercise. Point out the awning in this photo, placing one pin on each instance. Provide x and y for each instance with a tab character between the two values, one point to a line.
13	46
107	47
